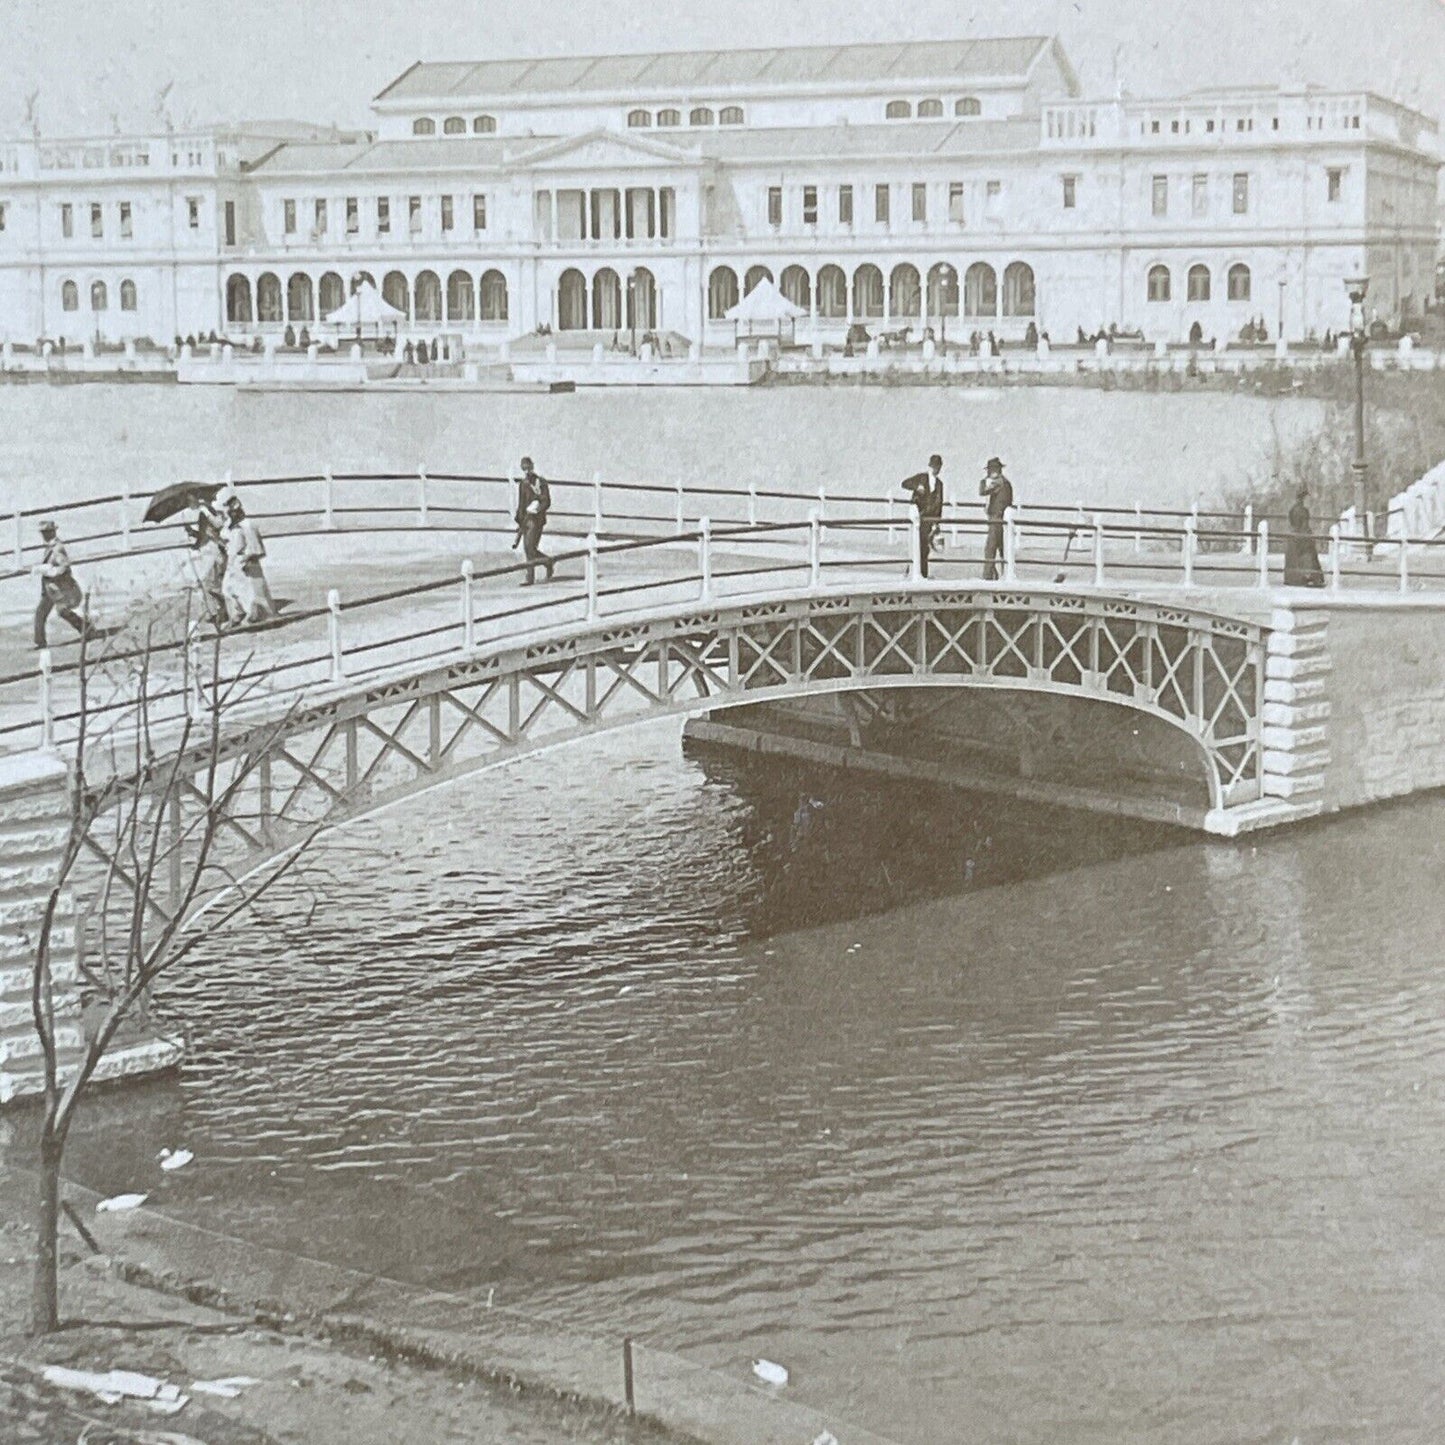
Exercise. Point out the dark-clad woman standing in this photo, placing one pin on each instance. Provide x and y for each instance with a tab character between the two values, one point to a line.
1301	559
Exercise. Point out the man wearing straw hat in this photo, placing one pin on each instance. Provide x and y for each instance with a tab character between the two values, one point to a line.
534	501
1000	494
59	591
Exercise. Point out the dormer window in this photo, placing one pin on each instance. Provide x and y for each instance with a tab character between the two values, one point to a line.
930	109
454	125
969	105
483	124
899	109
424	125
638	119
701	116
731	115
669	117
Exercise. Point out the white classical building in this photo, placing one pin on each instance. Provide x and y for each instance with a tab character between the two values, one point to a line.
949	185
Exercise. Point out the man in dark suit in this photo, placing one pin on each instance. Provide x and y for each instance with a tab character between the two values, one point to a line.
534	501
925	489
1000	494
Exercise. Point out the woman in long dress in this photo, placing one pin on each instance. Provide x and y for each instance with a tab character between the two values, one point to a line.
1301	559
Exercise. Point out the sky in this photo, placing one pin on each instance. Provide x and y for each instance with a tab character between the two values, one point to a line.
98	65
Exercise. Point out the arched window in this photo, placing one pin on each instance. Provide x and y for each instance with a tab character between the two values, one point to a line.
606	300
300	298
642	300
832	293
637	119
331	294
1199	283
669	117
238	299
731	115
868	291
701	116
1239	282
905	291
980	290
899	109
969	105
942	290
1018	289
127	296
1159	283
454	125
930	109
572	301
756	274
428	296
461	299
268	298
797	286
69	296
483	124
423	125
494	296
722	292
396	291
99	300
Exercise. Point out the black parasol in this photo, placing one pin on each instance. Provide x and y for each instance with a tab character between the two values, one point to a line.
177	498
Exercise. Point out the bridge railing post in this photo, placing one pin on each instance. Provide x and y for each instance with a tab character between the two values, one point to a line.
915	551
704	558
1263	543
1010	547
421	497
590	572
1404	559
889	500
47	706
822	501
333	632
1247	541
597	502
1098	550
469	621
1190	545
752	504
681	520
1138	527
815	548
125	516
1335	557
328	500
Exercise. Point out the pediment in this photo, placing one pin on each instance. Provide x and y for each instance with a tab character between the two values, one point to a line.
601	150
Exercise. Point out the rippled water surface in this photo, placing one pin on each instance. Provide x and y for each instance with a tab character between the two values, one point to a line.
991	1123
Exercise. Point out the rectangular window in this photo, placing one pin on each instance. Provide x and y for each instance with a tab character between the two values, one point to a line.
955	201
880	205
1241	194
1071	192
288	217
67	220
97	221
920	201
993	192
230	223
810	205
1161	195
413	214
383	215
1199	194
1336	179
775	206
845	205
479	213
320	211
193	213
126	230
353	216
449	215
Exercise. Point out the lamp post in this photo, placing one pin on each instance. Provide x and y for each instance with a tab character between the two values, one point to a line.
632	308
945	275
1357	286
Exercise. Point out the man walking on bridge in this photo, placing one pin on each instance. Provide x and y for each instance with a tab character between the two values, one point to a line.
926	491
59	591
534	501
1000	493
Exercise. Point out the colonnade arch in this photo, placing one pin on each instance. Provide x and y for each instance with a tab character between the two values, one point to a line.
306	297
606	302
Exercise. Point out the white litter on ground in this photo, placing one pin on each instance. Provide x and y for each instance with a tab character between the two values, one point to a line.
175	1159
226	1389
117	1385
120	1202
774	1374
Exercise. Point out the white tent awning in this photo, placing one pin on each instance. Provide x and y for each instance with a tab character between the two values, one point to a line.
365	307
765	303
